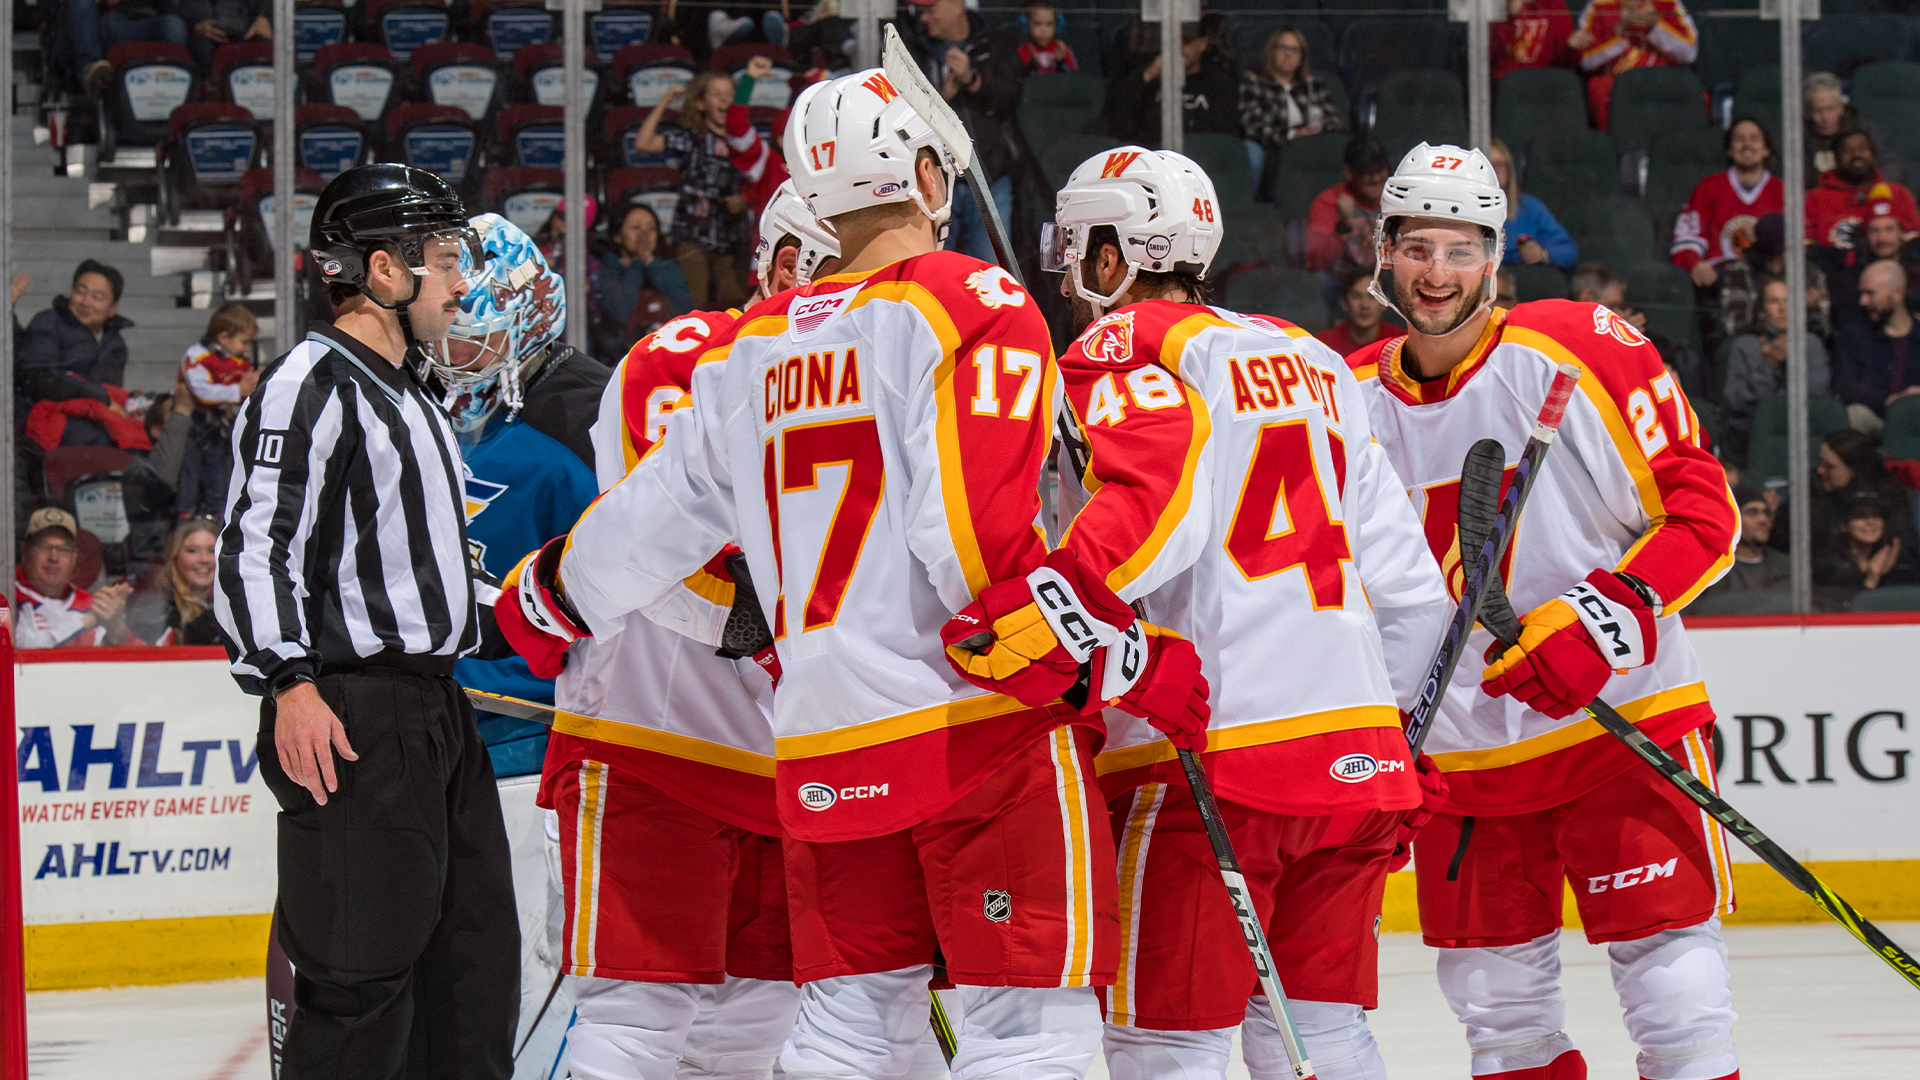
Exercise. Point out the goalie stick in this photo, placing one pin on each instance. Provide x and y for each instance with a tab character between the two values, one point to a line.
919	92
1480	485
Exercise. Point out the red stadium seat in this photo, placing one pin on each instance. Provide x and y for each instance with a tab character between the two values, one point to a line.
543	77
441	139
243	74
358	75
150	79
522	195
211	145
405	25
645	71
461	74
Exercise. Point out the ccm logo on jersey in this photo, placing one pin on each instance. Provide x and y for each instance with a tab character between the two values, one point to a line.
822	797
813	312
1355	768
1109	340
1617	633
996	288
1638	875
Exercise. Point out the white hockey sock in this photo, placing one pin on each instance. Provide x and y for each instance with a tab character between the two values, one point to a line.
858	1027
739	1031
1141	1054
1336	1036
1028	1033
1679	1007
628	1030
1510	1000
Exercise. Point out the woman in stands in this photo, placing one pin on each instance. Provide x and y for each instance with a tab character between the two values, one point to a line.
633	271
1281	98
709	227
1534	236
1863	553
178	608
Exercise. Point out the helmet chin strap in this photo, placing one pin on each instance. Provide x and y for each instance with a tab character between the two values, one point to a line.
1486	299
410	343
1101	304
943	216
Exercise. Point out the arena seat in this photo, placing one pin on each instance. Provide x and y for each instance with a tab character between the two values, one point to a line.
1767	453
1887	95
249	223
622	123
1308	165
541	71
1750	602
1281	291
645	71
243	74
1887	598
1224	159
1373	49
1060	105
618	25
534	135
1653	99
1418	105
1250	34
1611	229
1901	439
461	74
1756	93
1538	282
405	25
64	465
1841	42
1570	166
1665	293
316	24
772	91
441	139
1060	156
1535	101
1676	162
522	195
361	76
508	25
150	79
329	139
658	186
212	145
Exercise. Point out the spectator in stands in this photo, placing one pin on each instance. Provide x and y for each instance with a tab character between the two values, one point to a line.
978	74
551	239
761	170
1829	116
1533	35
1853	191
1757	567
147	485
709	222
1739	293
1850	466
1596	283
74	350
1043	53
94	26
1534	236
1757	366
1210	96
630	271
220	373
1362	325
1281	98
178	608
1880	238
1616	36
1862	553
53	612
1340	219
216	22
1873	361
1717	223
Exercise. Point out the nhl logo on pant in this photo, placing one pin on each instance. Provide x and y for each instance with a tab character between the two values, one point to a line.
997	905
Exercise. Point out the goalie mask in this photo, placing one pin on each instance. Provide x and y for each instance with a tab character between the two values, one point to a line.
515	308
1451	184
1161	205
787	215
852	142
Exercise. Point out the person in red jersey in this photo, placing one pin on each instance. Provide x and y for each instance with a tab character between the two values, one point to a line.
874	441
1193	429
1717	224
1619	35
1628	521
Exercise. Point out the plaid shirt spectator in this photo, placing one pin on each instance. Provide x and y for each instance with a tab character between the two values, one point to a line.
1270	109
707	177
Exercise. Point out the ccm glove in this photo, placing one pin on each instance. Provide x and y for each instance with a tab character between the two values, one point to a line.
1027	637
1153	672
1433	795
1571	645
535	618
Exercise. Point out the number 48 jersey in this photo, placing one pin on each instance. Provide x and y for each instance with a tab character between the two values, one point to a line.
1236	489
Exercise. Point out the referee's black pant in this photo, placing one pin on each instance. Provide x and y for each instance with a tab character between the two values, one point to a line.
396	897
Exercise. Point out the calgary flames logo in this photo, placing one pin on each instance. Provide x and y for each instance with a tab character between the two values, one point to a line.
1606	322
1109	339
996	288
1440	519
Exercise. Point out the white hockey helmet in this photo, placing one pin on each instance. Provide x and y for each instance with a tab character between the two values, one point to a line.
1446	182
787	214
1160	203
851	142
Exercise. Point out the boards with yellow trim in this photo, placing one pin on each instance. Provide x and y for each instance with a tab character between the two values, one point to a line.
1628	487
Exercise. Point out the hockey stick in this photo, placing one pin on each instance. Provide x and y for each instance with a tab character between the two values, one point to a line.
1250	928
1472	591
912	83
1496	614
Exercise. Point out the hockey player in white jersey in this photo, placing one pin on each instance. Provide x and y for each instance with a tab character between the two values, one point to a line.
875	440
1628	520
1237	491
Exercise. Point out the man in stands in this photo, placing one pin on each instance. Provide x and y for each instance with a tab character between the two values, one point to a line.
98	25
74	350
1597	283
1853	192
1615	36
1362	326
1533	35
54	613
1757	566
1716	226
1872	361
1340	220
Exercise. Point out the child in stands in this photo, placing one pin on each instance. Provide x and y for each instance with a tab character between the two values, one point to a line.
1043	53
219	372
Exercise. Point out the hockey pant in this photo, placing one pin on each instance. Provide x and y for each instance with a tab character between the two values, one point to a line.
1335	1034
678	1031
1672	986
872	1027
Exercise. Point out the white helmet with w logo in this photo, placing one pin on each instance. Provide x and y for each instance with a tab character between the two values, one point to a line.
1160	203
851	143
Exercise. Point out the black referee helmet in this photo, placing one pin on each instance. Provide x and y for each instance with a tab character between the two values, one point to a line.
395	207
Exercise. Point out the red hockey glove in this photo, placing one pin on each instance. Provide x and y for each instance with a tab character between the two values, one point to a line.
1572	644
1027	637
1154	673
1433	795
534	618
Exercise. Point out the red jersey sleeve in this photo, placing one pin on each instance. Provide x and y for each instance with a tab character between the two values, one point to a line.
656	373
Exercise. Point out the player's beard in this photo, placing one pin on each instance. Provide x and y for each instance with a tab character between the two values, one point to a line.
1439	323
1081	309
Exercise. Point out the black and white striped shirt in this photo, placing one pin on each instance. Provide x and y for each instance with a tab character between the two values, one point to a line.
345	538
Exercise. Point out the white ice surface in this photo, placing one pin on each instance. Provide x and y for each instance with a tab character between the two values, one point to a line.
1814	1005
